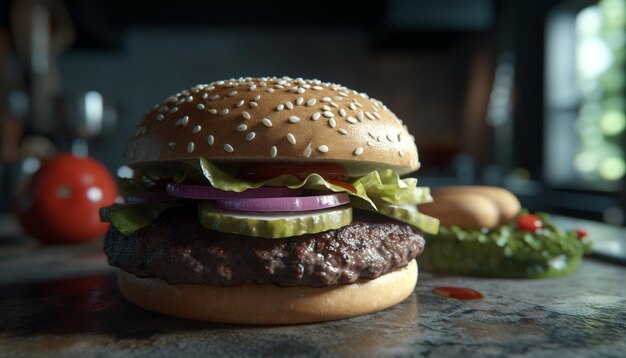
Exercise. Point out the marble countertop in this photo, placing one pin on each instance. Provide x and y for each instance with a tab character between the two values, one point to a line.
63	301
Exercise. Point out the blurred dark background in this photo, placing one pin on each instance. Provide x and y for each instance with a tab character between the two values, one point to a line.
524	94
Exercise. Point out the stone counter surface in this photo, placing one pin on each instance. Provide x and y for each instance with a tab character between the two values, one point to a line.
63	301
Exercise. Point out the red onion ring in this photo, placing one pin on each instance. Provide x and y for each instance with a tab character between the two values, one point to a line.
286	204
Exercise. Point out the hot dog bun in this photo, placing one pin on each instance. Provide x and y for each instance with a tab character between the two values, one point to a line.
472	207
466	210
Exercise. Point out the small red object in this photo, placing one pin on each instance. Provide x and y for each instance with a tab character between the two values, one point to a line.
60	203
529	222
581	233
460	293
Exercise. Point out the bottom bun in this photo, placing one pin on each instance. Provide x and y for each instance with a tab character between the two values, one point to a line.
269	304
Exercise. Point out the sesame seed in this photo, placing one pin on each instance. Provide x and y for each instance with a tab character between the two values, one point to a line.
266	122
214	97
332	123
280	107
338	98
229	148
360	116
232	93
213	111
357	103
253	104
311	102
160	117
326	99
252	87
301	90
291	138
294	119
269	90
351	120
205	95
190	147
210	139
241	128
172	144
377	115
200	106
326	108
240	103
318	88
328	114
307	151
401	153
358	151
273	151
390	137
224	112
289	105
197	128
174	110
189	98
352	106
323	148
334	104
279	86
250	136
299	101
370	116
370	143
342	112
163	109
245	115
343	94
342	131
316	116
182	121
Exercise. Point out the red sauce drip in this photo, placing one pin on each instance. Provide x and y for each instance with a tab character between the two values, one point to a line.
459	293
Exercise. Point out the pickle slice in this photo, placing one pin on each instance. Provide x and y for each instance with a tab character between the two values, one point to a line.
274	225
405	213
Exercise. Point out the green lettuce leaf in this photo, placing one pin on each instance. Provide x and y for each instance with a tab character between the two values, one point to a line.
129	218
387	186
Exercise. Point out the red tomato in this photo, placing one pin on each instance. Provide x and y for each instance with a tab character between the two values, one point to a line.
343	184
60	203
582	233
529	222
257	172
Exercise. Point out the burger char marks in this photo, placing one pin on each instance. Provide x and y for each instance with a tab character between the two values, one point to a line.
176	248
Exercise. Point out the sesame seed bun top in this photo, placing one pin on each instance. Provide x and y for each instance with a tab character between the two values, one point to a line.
274	120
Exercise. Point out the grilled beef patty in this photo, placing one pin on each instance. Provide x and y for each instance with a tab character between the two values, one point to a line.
176	248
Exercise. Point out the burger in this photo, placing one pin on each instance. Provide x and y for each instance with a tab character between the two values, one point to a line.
268	201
